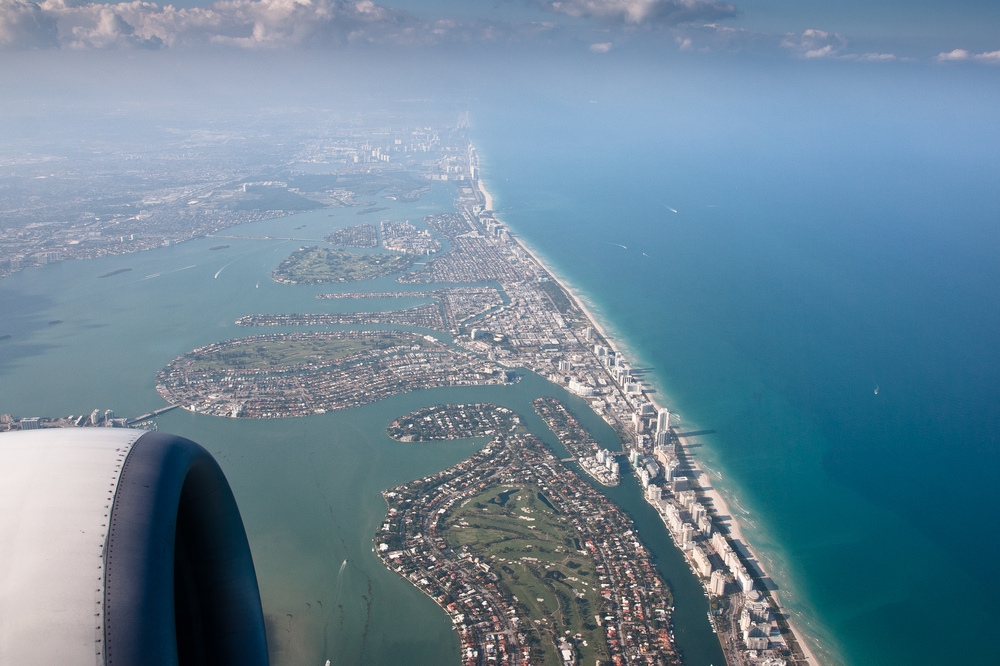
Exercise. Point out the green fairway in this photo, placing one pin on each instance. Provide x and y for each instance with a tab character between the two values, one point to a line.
319	265
535	552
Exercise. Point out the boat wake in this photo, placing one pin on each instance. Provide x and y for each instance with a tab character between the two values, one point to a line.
218	272
176	270
340	580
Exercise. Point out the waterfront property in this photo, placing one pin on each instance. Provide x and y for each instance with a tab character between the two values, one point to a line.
443	422
295	374
597	462
453	309
532	564
360	235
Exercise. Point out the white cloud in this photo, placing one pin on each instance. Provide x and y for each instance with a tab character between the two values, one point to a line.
989	57
24	25
715	37
267	24
814	43
602	47
821	52
957	54
108	29
811	44
242	23
878	57
637	12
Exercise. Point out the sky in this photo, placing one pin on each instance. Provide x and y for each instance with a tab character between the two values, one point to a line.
883	31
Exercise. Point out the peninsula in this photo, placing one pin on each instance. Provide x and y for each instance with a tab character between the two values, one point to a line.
531	563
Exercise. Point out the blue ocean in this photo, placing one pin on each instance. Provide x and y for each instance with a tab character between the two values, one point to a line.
805	261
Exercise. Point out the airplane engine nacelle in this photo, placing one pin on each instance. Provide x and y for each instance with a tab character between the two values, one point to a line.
122	548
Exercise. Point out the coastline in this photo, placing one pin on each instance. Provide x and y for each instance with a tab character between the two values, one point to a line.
700	475
487	197
726	517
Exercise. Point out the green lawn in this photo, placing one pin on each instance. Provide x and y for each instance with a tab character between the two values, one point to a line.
320	265
532	550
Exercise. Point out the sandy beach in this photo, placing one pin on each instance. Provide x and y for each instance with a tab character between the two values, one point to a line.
727	518
594	321
487	197
724	515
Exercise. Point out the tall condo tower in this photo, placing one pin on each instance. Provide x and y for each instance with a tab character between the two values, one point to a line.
662	420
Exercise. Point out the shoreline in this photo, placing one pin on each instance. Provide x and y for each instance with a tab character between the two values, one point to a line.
701	477
595	322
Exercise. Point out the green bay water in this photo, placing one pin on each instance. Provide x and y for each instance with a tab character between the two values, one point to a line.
308	488
805	262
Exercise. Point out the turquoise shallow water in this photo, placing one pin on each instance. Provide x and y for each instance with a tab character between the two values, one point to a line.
831	238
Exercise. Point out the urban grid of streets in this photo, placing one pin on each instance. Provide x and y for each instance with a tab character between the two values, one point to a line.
539	327
493	624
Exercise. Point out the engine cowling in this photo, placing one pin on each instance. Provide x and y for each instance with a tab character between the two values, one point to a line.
122	547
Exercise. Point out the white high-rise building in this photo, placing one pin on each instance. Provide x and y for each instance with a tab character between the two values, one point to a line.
744	579
731	559
719	542
701	562
717	584
705	526
682	498
662	420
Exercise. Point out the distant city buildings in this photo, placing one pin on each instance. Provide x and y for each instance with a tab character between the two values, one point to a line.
96	419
